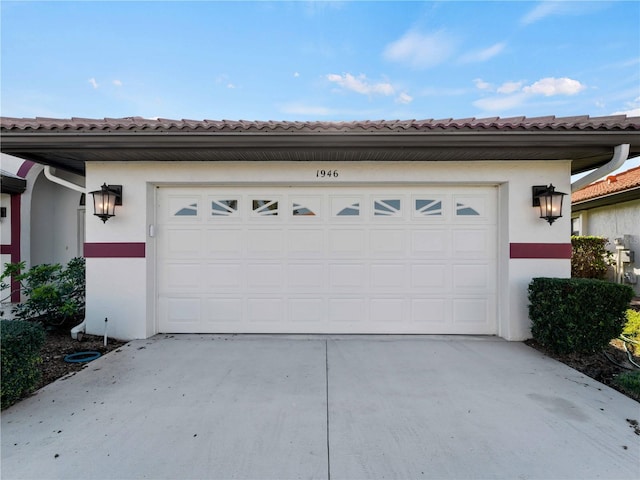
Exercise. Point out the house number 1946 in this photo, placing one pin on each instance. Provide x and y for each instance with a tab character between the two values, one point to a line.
326	173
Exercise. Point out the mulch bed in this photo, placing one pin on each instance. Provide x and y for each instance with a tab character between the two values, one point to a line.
59	344
603	366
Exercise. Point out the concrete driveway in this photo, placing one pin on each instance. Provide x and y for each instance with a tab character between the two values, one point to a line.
356	407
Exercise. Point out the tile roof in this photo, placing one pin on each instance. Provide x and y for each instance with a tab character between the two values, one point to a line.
136	124
612	184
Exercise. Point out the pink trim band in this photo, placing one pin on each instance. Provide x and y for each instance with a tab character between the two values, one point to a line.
14	251
540	250
114	250
24	168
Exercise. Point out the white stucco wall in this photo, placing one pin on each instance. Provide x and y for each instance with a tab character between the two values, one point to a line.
123	289
616	221
54	222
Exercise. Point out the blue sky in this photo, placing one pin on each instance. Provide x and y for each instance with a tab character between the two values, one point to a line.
319	60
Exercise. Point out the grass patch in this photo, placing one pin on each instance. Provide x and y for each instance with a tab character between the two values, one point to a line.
629	381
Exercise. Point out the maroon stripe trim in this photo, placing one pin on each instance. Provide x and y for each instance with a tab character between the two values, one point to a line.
540	250
16	204
114	250
24	168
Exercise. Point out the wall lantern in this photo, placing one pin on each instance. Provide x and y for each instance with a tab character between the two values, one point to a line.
105	201
549	201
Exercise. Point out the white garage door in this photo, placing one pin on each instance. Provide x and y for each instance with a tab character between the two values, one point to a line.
413	259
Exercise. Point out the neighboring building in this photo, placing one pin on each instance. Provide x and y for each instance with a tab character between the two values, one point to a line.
610	208
42	221
423	227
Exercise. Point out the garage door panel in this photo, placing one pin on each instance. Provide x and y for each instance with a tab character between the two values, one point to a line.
265	241
182	276
224	310
388	311
306	243
183	243
478	278
329	259
224	242
266	276
473	243
346	310
387	242
344	275
265	309
223	276
307	310
388	276
431	277
347	241
471	310
430	310
434	243
184	309
306	276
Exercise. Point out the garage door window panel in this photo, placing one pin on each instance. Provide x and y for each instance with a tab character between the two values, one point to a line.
265	207
224	208
387	207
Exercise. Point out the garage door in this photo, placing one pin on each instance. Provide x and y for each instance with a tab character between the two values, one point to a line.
418	259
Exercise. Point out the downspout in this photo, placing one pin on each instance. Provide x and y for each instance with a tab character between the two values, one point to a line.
620	155
78	330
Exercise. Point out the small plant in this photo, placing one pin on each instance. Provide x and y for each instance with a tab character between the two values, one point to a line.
20	344
55	294
577	314
632	327
589	257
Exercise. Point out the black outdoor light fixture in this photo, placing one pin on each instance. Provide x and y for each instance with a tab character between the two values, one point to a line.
549	201
105	201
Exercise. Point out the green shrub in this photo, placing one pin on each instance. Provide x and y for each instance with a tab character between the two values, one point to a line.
630	381
20	345
55	294
589	257
632	327
577	314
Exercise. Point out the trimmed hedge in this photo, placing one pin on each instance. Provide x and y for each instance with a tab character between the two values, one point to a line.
577	314
20	345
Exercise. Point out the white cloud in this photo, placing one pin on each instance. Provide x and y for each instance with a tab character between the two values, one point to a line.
303	109
483	55
633	109
500	103
513	94
117	83
296	74
509	87
549	8
419	50
231	86
481	84
93	82
555	86
360	84
634	112
540	11
404	98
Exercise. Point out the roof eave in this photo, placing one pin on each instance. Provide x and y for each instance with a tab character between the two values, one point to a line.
606	200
